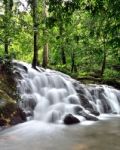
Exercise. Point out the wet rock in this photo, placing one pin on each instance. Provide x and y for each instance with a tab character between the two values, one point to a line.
99	93
92	118
22	114
18	117
73	99
12	114
21	66
31	103
79	89
87	116
84	101
94	112
77	109
114	112
3	122
93	89
17	75
70	119
105	104
29	114
117	93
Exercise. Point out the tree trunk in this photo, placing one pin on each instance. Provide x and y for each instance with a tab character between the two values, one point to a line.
103	64
35	56
6	23
63	56
6	45
45	55
45	47
35	30
73	65
104	60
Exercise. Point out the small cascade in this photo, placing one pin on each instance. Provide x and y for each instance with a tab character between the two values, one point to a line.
50	96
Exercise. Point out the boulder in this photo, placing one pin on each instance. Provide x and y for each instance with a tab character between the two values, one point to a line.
70	119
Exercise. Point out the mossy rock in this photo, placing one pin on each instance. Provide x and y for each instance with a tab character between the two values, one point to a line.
10	113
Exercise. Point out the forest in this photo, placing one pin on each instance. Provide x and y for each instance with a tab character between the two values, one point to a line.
78	37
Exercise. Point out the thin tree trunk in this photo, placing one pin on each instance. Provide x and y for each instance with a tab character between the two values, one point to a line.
6	45
35	56
45	55
103	64
63	56
35	30
104	60
45	47
73	65
6	22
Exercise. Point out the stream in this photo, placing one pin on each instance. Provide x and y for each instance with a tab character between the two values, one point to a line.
36	135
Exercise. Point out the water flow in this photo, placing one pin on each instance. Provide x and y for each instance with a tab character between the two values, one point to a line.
50	95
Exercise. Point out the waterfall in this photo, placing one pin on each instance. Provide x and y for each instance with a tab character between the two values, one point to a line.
48	95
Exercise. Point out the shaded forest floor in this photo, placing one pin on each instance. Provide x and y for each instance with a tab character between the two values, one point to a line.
110	77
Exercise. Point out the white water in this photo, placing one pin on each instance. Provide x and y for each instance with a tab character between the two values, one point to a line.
50	95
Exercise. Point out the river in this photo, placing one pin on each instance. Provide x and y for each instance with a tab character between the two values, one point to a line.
36	135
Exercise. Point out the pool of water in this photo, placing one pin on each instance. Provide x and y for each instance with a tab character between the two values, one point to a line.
35	135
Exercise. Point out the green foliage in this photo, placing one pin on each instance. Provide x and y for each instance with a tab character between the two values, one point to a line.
6	59
88	31
111	74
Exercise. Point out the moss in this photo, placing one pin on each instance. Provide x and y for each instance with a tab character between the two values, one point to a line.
5	97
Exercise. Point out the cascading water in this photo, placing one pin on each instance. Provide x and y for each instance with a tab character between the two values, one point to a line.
50	96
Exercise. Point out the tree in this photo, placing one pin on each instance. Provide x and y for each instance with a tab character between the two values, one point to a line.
34	5
45	45
8	4
60	15
105	13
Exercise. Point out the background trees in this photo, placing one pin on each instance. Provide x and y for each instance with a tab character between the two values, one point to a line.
78	37
6	23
